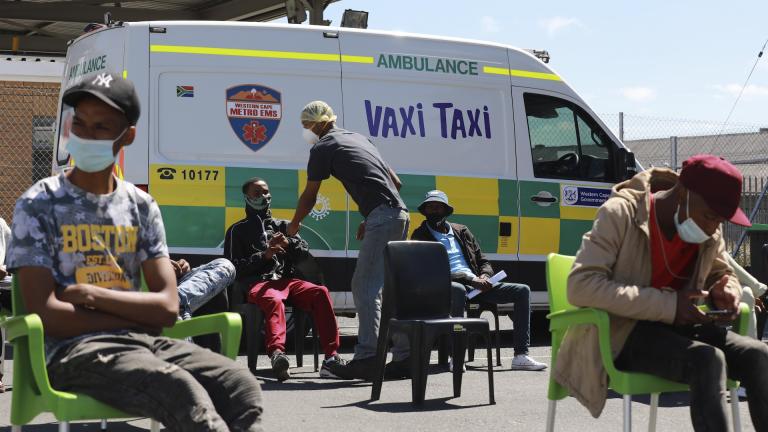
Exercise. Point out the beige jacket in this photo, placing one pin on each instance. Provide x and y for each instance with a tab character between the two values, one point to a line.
612	272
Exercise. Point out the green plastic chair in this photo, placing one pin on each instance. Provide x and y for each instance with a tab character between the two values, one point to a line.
32	392
563	315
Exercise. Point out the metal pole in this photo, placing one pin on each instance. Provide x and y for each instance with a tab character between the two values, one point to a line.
654	412
751	218
735	410
551	407
627	413
621	126
673	152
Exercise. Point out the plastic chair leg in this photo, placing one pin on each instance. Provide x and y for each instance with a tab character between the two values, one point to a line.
381	362
419	365
498	339
735	410
459	346
15	428
442	350
103	425
253	322
627	413
63	426
472	338
551	408
491	392
653	413
315	347
299	330
154	426
471	342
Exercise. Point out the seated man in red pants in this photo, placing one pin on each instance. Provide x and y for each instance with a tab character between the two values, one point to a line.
263	255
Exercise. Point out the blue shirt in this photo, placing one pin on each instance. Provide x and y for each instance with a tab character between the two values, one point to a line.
455	255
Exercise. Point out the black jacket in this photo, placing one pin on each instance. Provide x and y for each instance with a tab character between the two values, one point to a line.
246	242
469	247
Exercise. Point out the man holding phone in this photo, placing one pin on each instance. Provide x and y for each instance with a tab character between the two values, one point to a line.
265	257
655	250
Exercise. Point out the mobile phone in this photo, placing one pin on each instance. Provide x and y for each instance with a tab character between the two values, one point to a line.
719	312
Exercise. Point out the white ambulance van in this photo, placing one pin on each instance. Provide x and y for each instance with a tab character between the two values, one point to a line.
524	160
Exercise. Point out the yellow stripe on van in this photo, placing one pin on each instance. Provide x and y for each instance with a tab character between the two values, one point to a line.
578	213
356	59
237	52
520	73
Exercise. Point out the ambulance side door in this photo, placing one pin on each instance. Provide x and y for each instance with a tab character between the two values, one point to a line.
566	167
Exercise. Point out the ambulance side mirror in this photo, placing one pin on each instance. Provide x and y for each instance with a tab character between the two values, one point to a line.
631	165
624	164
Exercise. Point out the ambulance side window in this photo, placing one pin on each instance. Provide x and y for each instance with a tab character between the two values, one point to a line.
566	143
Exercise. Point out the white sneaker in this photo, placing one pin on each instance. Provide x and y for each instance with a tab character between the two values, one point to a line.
450	365
523	362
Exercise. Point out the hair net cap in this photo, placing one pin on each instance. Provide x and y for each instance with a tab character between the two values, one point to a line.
317	112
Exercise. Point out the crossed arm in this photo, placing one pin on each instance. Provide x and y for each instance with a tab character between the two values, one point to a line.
84	308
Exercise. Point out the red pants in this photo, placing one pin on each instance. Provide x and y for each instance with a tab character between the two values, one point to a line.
269	296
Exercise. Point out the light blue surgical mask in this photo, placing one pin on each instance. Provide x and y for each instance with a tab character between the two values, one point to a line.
689	231
91	155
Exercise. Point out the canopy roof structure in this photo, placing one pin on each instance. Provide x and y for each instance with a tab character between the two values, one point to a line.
45	26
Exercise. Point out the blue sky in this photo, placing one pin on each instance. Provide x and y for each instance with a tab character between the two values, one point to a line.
671	59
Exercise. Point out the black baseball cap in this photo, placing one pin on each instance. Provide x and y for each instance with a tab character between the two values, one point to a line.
110	88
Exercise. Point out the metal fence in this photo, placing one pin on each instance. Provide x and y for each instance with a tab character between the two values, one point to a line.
668	142
26	137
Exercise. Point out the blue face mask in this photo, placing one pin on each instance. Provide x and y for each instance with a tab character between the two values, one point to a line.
91	155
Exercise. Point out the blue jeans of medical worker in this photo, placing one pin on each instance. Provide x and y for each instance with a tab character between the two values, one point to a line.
203	283
383	224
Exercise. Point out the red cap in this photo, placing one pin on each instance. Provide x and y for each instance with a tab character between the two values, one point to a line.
718	182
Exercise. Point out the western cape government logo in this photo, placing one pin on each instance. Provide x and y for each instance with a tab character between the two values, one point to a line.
254	112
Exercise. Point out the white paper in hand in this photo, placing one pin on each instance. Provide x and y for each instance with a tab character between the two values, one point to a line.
498	277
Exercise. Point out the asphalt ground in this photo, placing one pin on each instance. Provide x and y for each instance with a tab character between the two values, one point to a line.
309	403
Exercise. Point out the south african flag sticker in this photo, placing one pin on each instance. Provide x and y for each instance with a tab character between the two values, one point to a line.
185	91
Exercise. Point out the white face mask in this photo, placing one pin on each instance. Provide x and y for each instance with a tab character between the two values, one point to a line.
92	155
689	231
310	137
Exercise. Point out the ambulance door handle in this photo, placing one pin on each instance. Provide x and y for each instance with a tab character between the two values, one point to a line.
544	199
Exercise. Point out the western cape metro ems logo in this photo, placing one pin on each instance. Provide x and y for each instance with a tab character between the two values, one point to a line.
254	112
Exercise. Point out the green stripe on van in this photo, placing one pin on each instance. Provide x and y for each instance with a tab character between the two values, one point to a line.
283	185
187	226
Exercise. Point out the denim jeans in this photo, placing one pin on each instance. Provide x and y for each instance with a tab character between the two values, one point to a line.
701	356
501	293
203	283
183	386
383	224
